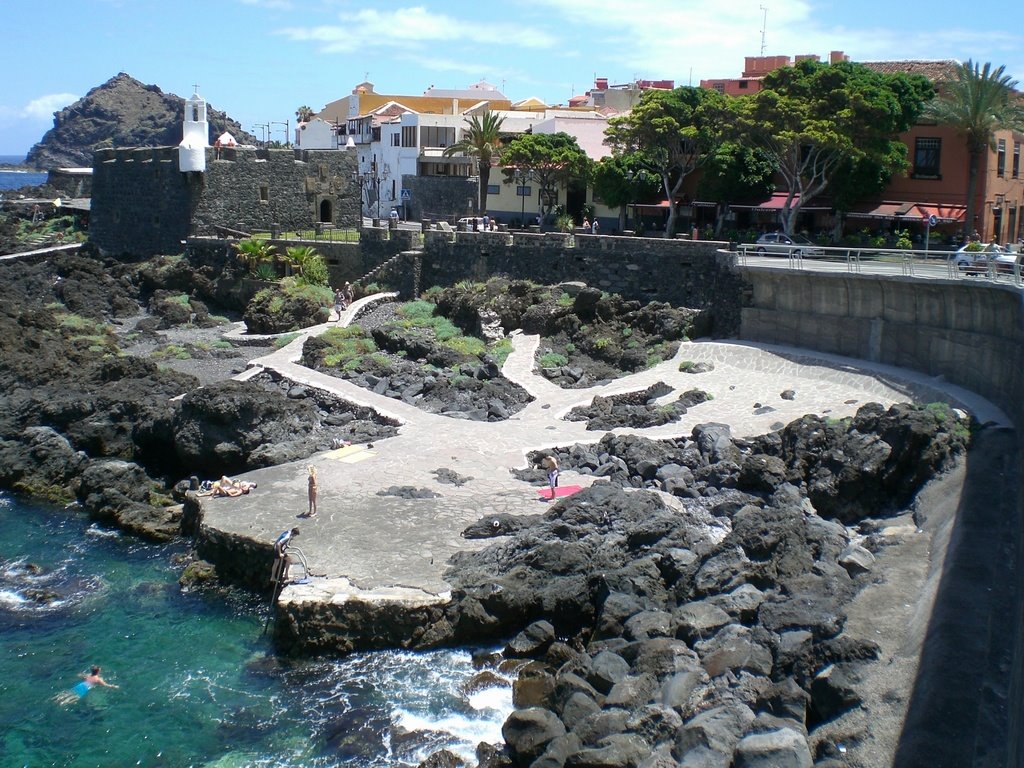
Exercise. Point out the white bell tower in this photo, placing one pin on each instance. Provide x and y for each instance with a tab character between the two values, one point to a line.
195	135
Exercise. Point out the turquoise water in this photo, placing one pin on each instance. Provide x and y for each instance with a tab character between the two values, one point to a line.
199	685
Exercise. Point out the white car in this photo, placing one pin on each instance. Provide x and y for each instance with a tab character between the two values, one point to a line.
974	262
781	244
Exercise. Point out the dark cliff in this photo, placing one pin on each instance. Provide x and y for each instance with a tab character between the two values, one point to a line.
120	113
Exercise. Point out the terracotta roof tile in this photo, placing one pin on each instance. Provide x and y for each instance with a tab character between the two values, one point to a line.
936	71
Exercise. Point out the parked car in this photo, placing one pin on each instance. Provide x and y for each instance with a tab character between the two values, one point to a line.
974	262
781	244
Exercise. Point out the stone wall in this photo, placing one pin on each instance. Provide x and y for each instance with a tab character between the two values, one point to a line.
680	272
441	198
142	203
250	189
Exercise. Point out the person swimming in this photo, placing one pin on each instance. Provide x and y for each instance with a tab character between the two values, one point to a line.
90	680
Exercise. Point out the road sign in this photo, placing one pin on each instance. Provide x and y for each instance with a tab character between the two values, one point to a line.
406	195
932	220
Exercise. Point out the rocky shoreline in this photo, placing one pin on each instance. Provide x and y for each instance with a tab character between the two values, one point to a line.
688	608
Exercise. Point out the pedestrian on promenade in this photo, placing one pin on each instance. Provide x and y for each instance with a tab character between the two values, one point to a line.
586	225
339	303
349	294
312	489
594	226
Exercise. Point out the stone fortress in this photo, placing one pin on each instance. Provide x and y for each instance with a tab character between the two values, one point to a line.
149	200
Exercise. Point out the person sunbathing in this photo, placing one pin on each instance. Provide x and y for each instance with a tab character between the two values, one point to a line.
226	486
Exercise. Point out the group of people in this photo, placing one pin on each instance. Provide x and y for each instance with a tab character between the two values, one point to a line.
343	298
590	227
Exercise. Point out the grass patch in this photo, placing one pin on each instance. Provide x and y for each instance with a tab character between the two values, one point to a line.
169	351
346	347
283	341
219	320
500	350
552	360
222	345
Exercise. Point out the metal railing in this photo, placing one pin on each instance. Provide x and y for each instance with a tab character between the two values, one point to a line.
912	263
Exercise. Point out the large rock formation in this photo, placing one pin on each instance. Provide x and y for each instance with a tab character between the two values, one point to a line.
120	113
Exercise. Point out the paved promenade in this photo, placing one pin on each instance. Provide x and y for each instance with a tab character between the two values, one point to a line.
363	545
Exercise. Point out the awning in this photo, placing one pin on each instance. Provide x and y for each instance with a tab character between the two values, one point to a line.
886	210
663	205
777	202
944	213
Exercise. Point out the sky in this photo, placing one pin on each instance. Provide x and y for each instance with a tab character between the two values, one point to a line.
260	60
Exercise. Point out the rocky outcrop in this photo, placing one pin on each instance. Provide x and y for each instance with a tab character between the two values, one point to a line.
122	112
705	627
231	427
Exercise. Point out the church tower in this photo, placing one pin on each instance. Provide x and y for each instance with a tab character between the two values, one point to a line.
195	136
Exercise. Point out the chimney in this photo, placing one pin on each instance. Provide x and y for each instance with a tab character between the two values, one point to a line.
601	83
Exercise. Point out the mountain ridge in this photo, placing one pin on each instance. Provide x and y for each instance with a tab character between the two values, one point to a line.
122	112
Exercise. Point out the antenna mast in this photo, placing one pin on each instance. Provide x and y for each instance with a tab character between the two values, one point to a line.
764	26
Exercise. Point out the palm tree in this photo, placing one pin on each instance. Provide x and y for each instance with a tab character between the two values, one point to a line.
977	102
304	113
483	141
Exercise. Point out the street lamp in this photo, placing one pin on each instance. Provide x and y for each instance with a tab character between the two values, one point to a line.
287	125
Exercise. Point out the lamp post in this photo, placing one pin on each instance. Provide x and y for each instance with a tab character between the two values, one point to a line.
287	125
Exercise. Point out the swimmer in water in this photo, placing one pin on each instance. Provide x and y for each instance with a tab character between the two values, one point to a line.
90	680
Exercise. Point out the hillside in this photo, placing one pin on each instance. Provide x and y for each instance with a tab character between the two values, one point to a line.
120	113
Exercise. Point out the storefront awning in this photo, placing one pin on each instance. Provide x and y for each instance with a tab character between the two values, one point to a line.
947	214
776	203
886	210
663	205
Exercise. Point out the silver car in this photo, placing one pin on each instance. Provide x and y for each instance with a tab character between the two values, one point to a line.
781	244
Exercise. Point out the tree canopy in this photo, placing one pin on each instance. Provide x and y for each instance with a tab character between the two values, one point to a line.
812	119
482	140
624	179
672	133
555	159
977	102
304	114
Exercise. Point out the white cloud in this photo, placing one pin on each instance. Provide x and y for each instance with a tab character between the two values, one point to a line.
44	107
415	26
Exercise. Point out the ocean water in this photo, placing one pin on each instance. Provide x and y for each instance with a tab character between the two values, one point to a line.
16	179
199	684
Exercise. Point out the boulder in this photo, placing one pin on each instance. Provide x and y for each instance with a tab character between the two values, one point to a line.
534	686
698	620
834	690
709	738
607	669
734	649
856	560
784	748
532	641
621	750
527	733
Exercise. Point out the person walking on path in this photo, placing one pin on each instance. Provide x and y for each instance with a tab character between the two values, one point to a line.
349	294
594	226
312	492
339	303
90	680
550	465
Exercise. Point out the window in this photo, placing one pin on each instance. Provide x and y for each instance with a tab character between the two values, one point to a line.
744	84
264	193
409	136
927	153
1016	159
436	136
720	87
1001	158
395	139
493	189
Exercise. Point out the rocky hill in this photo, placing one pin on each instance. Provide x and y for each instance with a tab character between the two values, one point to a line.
120	113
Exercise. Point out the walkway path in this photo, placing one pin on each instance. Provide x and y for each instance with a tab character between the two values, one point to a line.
376	547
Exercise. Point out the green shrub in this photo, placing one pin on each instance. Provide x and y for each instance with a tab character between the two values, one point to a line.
565	300
552	360
601	342
501	349
265	271
221	344
469	346
180	298
283	341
